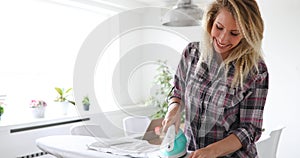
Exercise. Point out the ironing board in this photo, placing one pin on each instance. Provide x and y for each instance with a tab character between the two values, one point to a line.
74	146
71	146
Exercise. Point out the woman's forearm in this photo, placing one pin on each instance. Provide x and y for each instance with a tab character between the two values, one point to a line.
173	101
226	146
173	114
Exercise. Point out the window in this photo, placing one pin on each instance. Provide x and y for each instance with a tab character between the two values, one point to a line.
39	44
41	40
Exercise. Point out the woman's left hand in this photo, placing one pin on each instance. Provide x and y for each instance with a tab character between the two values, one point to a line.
203	153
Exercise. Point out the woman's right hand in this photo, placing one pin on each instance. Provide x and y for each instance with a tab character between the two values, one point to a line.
172	117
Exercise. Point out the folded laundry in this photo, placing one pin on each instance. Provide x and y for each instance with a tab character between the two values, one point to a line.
124	146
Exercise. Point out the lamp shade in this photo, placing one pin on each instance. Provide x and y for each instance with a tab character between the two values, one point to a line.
183	14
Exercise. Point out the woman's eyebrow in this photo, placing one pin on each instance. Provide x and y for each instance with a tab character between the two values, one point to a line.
223	26
220	24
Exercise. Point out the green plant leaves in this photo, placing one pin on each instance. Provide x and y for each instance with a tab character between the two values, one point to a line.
63	95
162	79
1	110
72	102
59	91
68	90
86	100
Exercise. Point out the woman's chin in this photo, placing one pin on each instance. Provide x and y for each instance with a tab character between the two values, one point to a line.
218	50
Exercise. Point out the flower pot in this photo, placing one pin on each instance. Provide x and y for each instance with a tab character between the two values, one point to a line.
86	107
64	106
38	112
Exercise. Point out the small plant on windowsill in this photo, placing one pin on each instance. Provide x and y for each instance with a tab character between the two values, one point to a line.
1	109
86	103
62	98
38	108
37	104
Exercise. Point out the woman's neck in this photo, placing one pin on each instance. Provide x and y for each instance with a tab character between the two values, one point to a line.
224	55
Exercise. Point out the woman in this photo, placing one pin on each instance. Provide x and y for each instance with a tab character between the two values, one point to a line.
222	83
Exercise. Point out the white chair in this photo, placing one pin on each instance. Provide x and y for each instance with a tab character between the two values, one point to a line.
268	148
135	125
88	130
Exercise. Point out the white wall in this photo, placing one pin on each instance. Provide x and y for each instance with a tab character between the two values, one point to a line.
146	43
23	143
281	47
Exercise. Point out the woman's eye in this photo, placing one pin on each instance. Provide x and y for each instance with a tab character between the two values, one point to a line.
219	28
234	34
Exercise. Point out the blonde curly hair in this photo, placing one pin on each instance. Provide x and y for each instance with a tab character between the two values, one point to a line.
248	52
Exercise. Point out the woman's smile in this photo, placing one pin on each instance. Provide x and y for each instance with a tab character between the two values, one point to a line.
221	45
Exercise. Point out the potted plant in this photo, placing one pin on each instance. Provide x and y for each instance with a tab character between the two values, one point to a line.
38	108
62	98
1	109
86	103
162	80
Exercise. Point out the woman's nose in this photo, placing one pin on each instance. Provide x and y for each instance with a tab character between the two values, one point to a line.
223	37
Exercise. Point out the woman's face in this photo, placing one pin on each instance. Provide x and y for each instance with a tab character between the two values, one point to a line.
225	33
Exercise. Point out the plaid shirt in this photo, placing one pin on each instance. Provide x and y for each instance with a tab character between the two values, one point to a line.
214	109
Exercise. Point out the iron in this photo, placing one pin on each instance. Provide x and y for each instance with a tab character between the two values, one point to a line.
173	145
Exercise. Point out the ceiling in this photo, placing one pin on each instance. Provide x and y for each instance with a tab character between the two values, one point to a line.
166	3
120	5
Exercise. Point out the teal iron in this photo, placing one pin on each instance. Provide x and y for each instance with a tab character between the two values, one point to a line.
173	146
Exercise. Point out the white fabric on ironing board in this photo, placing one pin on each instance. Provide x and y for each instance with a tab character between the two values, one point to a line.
124	146
74	146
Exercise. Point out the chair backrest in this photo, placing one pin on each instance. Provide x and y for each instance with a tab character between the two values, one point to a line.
268	148
88	130
135	125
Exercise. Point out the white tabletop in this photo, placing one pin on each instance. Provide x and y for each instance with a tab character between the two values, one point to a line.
71	146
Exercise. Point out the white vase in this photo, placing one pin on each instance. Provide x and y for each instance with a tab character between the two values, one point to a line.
38	112
64	106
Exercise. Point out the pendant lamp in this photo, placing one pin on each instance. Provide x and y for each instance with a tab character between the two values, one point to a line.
183	14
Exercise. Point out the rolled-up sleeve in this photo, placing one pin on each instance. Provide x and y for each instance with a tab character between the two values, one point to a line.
182	71
251	111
